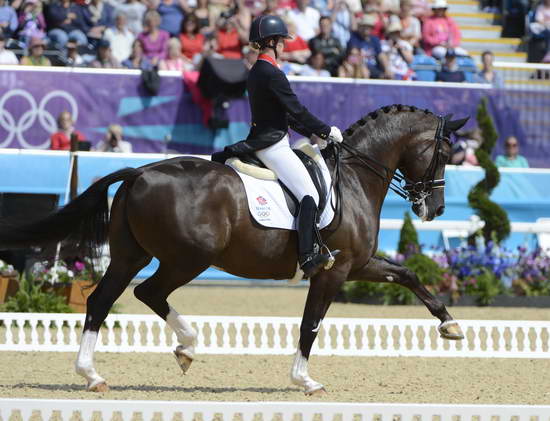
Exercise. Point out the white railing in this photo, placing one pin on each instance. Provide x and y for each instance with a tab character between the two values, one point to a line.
279	336
247	411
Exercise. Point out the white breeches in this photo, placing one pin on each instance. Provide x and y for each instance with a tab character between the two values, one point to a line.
280	159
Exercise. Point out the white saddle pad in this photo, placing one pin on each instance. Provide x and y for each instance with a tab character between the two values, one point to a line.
267	203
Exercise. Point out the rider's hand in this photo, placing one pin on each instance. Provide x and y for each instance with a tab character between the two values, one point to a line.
335	135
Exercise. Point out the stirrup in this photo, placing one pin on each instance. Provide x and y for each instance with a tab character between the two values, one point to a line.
317	261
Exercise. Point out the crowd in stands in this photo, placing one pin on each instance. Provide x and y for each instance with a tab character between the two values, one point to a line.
346	38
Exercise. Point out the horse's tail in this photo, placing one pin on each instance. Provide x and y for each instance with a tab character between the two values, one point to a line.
82	223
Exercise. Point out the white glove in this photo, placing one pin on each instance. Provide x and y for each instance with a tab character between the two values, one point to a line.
335	135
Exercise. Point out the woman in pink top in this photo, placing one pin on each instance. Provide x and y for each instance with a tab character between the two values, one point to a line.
153	39
176	60
440	30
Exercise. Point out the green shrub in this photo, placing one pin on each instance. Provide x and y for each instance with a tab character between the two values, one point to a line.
408	237
497	225
428	271
485	287
31	299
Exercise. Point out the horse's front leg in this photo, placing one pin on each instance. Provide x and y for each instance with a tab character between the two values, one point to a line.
322	290
383	270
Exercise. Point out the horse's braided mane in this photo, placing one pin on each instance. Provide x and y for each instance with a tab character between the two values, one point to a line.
374	114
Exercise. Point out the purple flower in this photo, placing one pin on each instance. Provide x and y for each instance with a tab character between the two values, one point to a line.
79	266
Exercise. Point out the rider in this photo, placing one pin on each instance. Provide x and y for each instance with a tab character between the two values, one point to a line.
274	107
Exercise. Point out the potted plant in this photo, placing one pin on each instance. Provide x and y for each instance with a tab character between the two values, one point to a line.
8	281
72	280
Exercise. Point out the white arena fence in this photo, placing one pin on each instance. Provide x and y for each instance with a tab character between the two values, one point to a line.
279	336
89	410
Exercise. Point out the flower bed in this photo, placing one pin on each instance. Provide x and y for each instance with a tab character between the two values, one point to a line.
482	275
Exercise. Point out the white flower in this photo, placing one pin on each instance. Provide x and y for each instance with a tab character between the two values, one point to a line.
70	274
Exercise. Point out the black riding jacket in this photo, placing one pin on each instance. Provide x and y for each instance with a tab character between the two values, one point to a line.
274	108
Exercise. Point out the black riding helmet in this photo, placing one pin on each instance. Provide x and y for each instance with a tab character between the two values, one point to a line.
265	27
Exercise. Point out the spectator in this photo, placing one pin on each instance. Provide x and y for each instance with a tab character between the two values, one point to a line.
100	16
450	72
440	32
305	19
137	59
175	60
113	141
488	74
67	21
250	56
324	7
541	25
104	58
343	19
8	19
353	65
412	30
61	140
296	49
35	55
421	9
327	45
511	157
171	13
153	40
73	58
464	149
120	38
399	52
134	10
315	66
271	8
6	56
229	40
31	21
204	18
192	41
369	45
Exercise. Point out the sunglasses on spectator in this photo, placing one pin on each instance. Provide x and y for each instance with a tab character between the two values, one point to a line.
511	145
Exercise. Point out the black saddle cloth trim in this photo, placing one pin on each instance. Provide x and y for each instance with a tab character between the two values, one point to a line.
314	172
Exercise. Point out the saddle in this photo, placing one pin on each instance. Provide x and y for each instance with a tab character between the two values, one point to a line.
250	164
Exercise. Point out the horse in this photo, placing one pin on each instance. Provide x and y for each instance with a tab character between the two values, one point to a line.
191	213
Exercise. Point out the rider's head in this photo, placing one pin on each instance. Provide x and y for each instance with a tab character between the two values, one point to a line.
268	32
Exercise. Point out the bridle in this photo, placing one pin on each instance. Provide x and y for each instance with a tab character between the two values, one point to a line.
413	191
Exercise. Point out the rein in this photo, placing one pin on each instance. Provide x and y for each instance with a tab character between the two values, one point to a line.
413	191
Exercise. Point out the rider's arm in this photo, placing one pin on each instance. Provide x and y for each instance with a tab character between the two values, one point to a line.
308	123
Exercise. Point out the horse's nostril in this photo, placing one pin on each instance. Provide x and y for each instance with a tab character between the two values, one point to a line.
440	210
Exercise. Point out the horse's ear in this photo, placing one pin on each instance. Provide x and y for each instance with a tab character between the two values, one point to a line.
454	125
447	118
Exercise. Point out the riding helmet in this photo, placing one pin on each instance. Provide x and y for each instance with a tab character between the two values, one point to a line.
267	26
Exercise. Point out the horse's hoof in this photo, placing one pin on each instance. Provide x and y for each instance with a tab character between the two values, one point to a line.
99	387
450	330
183	359
318	390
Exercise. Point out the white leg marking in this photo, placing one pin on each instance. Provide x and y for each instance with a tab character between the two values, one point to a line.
389	278
184	332
85	361
318	327
300	377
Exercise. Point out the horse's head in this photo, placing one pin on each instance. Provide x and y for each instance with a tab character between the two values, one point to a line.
423	165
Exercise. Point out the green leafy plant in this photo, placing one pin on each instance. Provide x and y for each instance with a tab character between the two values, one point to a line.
408	237
485	287
30	298
497	224
427	270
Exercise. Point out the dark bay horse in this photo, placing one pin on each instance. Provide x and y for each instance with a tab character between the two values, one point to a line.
191	213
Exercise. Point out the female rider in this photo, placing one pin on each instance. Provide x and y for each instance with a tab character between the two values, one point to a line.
274	107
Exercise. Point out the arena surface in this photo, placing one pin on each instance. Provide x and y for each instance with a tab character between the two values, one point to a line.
266	378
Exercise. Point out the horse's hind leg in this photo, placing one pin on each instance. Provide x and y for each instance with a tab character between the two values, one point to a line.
384	270
154	292
127	258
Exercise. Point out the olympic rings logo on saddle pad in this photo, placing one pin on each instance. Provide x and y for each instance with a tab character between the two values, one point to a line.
28	119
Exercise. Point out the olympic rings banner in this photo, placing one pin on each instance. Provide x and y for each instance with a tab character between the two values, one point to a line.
32	98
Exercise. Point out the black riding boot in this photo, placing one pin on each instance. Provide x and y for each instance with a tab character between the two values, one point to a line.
309	256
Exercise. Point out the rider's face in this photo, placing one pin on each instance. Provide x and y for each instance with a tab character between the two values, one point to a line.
280	46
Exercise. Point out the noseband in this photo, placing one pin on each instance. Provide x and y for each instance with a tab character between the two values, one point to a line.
413	191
